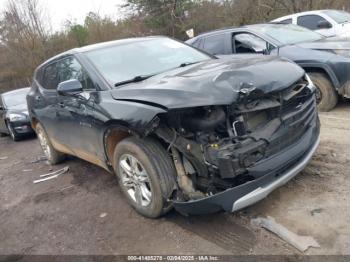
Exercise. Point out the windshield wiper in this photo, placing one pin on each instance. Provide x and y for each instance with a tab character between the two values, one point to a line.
133	80
187	64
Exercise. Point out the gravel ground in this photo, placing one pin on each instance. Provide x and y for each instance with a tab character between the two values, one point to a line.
83	211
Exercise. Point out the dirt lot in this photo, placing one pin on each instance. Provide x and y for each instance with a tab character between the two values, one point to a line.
83	211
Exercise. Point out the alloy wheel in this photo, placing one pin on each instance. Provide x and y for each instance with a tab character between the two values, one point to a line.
135	180
44	144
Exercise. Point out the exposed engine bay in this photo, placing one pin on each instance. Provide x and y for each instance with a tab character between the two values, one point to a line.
214	147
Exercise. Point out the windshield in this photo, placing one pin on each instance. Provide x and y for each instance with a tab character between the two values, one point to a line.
142	58
15	99
338	16
288	34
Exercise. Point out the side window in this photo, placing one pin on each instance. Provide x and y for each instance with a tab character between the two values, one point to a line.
287	21
248	43
310	21
50	78
215	44
70	68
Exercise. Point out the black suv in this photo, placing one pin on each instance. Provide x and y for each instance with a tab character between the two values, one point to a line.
178	126
325	60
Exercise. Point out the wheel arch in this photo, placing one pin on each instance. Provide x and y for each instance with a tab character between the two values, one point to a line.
324	69
115	131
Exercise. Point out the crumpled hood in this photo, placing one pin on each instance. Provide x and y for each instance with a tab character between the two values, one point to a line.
330	43
213	82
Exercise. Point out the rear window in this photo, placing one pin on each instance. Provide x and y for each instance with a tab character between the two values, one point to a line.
50	77
215	44
287	21
198	43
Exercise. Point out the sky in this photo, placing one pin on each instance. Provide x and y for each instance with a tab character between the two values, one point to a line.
60	10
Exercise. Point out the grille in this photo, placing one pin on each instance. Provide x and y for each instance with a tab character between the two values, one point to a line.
296	115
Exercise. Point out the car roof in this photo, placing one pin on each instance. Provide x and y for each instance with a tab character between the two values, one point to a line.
213	32
228	29
101	45
249	28
17	91
220	30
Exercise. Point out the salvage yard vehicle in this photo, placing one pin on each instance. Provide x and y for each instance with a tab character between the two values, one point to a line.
14	117
179	127
326	60
326	22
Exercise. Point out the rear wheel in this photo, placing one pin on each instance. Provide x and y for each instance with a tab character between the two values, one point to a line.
52	155
326	96
146	175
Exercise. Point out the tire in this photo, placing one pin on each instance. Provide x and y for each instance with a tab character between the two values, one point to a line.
53	156
14	136
327	98
152	158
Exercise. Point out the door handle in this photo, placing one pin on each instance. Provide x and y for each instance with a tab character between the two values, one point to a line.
61	104
38	98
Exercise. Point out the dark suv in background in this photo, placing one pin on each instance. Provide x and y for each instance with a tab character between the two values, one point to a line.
325	60
178	127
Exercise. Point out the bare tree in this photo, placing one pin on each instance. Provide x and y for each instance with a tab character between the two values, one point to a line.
24	33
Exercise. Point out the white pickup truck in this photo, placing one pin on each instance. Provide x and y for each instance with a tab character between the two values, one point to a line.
326	22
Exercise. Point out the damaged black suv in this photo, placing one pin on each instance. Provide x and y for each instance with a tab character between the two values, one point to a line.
179	127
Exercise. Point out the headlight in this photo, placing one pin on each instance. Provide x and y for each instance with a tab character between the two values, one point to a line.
311	85
342	52
17	117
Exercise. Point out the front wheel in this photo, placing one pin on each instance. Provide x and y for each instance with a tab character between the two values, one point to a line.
326	96
146	175
52	155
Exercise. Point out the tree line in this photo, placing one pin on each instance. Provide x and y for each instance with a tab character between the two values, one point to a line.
27	39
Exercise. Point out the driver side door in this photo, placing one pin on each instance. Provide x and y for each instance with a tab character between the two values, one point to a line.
75	113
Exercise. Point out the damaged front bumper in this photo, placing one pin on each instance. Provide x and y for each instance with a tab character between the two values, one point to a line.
281	168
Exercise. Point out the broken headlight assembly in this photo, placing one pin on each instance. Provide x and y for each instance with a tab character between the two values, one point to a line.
310	85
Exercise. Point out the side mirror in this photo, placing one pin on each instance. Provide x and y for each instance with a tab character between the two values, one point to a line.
69	87
323	24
